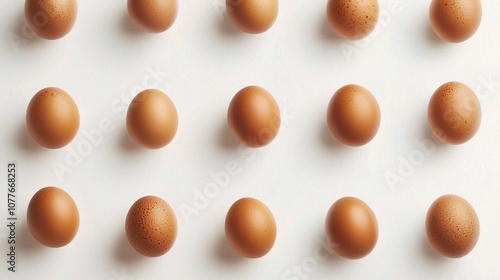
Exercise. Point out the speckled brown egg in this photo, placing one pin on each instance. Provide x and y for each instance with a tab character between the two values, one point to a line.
53	217
51	19
454	113
254	117
353	115
250	228
452	226
252	16
351	228
52	118
153	15
455	20
151	226
152	119
353	19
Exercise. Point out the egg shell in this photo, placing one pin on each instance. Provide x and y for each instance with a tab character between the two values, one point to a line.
454	113
353	115
351	228
254	117
53	217
455	21
352	19
152	119
452	226
252	16
153	15
151	226
51	19
52	118
250	228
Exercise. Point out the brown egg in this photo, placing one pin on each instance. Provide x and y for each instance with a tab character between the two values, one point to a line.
352	19
51	19
153	15
52	118
454	113
53	217
353	115
254	117
152	119
151	226
250	228
351	228
452	226
455	20
252	16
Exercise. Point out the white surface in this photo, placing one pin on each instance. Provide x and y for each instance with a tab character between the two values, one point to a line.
204	61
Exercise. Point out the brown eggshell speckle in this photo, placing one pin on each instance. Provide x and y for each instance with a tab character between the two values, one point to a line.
252	16
454	113
51	19
254	117
351	228
153	15
455	20
250	228
352	19
52	118
353	115
452	226
151	226
53	217
152	119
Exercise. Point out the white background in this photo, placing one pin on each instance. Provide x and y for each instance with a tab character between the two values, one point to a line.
202	62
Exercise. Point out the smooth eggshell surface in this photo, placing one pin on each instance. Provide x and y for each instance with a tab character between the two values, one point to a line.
452	226
151	226
154	15
53	217
252	16
52	118
455	20
51	19
351	228
454	113
152	119
353	115
254	117
250	228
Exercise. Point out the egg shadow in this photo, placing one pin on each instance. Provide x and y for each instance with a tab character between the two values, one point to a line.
124	253
328	140
226	139
26	242
224	253
227	28
326	32
431	35
321	242
429	135
21	28
429	253
127	144
129	27
25	142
